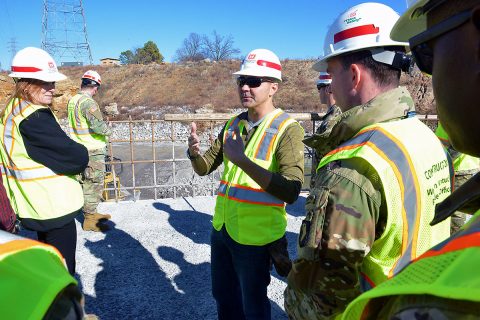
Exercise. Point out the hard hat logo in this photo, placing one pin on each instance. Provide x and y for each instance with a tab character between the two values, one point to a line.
352	17
261	63
51	65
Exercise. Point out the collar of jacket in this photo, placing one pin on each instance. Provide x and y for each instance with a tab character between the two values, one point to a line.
388	106
466	199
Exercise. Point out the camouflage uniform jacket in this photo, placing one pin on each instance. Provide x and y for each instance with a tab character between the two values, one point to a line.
406	307
345	213
91	111
327	122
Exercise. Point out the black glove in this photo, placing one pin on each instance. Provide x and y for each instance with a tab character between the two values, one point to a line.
279	254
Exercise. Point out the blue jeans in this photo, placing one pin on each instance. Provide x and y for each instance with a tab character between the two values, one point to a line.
240	277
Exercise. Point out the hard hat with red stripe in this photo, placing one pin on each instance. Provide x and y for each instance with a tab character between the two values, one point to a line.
364	26
261	63
35	63
91	77
324	78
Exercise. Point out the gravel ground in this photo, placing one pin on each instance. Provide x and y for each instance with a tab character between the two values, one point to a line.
155	263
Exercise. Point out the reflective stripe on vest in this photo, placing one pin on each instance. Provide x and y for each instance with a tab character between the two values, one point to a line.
28	173
78	125
384	143
251	215
32	274
447	271
34	190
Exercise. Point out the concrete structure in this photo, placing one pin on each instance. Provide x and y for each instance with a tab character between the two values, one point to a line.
109	62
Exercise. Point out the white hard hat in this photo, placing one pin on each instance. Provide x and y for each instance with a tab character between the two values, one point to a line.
324	78
35	63
363	26
261	63
412	22
92	75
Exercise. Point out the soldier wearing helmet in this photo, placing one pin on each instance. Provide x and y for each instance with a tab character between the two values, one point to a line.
327	121
443	282
88	128
382	174
40	161
262	153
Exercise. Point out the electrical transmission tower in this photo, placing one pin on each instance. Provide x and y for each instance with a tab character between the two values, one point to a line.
12	47
65	32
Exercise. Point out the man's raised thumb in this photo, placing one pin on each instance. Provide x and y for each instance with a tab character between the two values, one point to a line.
193	128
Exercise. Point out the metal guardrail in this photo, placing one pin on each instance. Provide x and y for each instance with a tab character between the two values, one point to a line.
127	160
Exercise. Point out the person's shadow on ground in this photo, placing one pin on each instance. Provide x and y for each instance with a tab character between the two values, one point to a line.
131	284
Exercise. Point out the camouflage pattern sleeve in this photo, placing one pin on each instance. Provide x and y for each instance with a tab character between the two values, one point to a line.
338	231
92	112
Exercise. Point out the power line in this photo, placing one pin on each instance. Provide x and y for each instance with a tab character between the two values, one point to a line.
64	31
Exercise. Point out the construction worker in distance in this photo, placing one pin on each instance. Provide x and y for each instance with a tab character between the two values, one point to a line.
465	167
88	128
384	170
40	162
34	283
327	121
443	283
262	153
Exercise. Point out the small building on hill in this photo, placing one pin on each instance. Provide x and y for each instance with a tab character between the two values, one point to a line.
109	62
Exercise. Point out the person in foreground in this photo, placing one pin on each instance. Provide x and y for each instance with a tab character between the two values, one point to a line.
443	283
384	170
39	160
262	153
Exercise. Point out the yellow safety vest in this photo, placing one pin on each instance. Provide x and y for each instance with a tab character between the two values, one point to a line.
32	274
448	270
415	175
78	124
35	191
250	214
463	162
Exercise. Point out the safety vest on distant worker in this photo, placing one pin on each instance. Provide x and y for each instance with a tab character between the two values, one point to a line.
32	274
415	174
463	162
78	125
250	214
448	271
35	191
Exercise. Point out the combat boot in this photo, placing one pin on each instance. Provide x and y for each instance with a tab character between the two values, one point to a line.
95	222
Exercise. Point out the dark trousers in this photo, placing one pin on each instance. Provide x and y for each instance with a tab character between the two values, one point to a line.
240	277
65	240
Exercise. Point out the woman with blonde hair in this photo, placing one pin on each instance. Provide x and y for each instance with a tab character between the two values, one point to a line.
39	160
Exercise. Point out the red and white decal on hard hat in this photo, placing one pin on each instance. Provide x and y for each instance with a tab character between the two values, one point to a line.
51	64
87	76
269	64
325	77
355	32
25	69
251	56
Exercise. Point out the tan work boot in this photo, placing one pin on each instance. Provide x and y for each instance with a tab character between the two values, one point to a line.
95	222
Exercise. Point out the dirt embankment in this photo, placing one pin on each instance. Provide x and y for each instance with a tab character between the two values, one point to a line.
161	88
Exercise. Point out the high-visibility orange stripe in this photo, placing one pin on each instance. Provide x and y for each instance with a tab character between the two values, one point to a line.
274	138
252	202
22	244
459	243
265	133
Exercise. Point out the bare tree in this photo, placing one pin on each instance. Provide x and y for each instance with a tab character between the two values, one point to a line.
191	50
219	47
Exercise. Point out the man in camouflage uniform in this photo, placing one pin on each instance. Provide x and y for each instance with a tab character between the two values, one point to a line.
327	121
351	224
88	128
444	283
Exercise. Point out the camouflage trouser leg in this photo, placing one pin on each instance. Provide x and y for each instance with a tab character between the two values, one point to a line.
92	182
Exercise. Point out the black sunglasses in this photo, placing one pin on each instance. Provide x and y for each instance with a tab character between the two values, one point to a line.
422	52
252	82
321	85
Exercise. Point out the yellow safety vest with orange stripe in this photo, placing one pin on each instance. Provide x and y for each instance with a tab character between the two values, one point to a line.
35	191
32	274
78	125
415	175
250	214
463	162
448	270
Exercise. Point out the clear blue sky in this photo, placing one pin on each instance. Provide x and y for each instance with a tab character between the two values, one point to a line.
291	28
